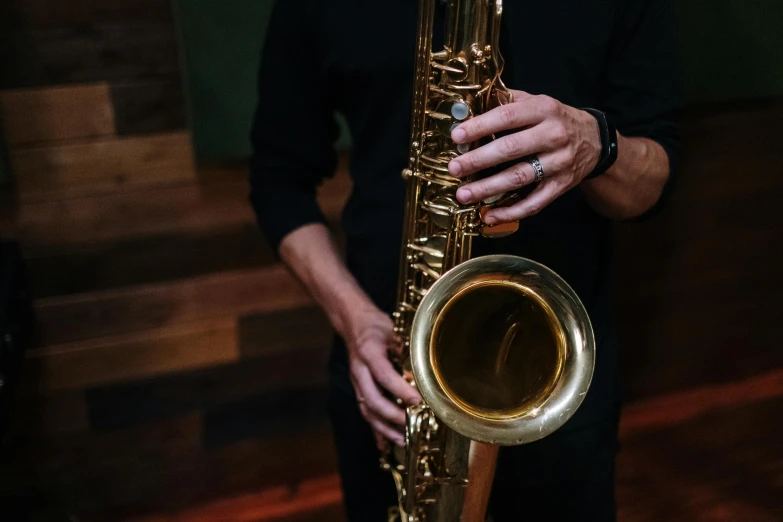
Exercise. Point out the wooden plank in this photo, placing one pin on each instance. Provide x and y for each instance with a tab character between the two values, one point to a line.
104	166
267	415
152	259
156	467
281	331
156	306
684	406
146	107
89	472
721	465
318	496
88	53
133	356
111	217
56	113
116	406
218	201
40	14
39	416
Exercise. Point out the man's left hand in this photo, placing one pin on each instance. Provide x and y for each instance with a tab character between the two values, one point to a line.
565	140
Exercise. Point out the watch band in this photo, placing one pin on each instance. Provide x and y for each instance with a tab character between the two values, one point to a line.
608	134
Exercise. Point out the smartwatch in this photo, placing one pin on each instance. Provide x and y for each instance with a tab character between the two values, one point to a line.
608	134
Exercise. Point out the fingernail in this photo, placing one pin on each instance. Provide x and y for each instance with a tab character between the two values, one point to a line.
464	195
455	168
458	135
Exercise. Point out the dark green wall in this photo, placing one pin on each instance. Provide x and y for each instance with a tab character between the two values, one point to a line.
222	43
731	49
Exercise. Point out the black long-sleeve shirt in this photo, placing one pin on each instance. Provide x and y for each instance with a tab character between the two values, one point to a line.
357	57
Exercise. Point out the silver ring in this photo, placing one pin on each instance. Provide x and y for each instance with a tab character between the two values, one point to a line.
537	167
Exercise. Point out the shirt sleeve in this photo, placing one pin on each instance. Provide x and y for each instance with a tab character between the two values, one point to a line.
641	89
294	127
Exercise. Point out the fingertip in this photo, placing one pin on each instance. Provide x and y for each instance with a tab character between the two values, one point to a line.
455	168
458	135
490	219
464	195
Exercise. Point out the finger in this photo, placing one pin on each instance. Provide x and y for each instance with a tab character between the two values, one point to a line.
544	194
374	399
513	178
520	95
385	374
526	110
380	440
506	148
381	428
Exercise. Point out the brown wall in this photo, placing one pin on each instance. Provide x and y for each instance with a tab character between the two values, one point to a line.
697	285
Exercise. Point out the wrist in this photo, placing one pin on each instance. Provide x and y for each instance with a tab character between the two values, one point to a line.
352	310
607	140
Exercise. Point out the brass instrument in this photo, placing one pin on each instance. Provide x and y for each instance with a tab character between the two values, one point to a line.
500	347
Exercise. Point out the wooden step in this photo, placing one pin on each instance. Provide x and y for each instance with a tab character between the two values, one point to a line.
105	166
232	294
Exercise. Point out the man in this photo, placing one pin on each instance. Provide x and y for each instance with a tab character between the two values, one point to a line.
357	57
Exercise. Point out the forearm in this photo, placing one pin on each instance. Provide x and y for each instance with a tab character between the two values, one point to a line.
634	183
311	253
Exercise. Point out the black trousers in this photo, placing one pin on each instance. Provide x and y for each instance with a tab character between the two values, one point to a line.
568	476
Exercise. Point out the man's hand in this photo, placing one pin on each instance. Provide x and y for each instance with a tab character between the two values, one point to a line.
369	344
565	140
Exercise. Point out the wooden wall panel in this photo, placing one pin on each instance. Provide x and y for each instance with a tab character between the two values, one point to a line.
124	164
53	415
165	210
281	331
153	259
56	113
148	106
94	472
117	406
231	294
134	356
696	284
87	53
43	14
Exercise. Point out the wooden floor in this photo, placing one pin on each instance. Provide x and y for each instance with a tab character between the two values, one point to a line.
712	454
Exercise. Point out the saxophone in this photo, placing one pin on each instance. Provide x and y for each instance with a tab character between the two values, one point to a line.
500	347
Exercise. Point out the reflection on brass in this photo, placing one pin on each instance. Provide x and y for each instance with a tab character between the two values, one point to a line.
505	378
500	347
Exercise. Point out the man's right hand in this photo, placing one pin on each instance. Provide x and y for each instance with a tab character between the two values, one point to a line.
370	341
